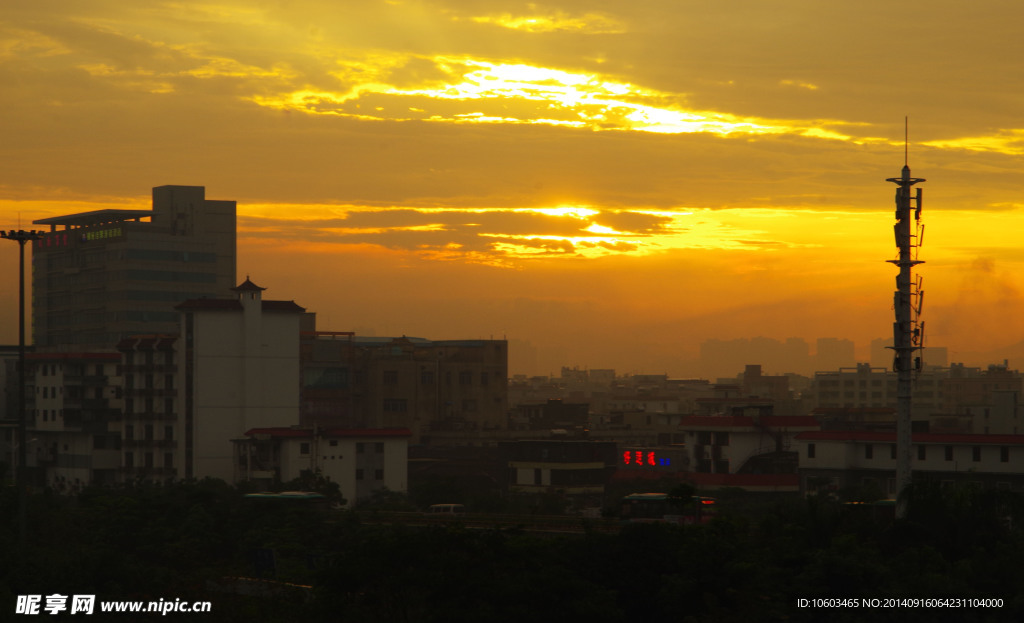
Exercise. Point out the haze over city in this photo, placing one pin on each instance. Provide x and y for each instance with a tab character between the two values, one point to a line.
607	185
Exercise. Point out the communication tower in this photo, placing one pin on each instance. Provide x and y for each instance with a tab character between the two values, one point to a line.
908	330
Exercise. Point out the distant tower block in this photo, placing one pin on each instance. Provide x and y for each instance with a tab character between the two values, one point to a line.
908	330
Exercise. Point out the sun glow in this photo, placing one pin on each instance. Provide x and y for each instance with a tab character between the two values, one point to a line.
577	212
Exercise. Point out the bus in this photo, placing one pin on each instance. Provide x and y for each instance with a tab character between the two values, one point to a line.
663	508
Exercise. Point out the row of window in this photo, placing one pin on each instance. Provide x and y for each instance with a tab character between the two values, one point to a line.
147	431
922	452
361	447
147	460
428	377
148	381
147	404
148	357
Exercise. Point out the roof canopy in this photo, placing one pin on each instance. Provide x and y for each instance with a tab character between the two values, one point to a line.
96	217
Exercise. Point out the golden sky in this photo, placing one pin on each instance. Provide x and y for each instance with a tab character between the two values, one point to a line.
612	182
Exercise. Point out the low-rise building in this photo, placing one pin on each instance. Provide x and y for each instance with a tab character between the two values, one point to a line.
749	449
836	460
569	467
361	461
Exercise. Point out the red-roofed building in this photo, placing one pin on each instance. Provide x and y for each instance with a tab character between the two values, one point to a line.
750	441
834	460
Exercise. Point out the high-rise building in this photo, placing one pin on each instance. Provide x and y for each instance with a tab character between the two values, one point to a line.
239	370
101	276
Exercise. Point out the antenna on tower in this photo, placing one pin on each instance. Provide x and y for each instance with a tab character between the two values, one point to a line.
906	139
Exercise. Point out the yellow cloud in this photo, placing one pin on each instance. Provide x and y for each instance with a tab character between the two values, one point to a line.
592	23
797	83
519	93
1009	142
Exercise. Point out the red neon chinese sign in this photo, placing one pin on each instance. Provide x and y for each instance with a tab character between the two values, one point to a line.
641	458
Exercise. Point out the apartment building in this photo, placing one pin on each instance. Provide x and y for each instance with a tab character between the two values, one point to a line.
74	431
426	386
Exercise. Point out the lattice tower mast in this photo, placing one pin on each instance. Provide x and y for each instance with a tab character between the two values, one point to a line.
908	330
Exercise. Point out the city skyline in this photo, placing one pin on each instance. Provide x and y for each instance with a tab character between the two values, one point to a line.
614	185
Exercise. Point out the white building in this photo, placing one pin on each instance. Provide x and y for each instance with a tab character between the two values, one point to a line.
834	460
744	442
240	370
361	461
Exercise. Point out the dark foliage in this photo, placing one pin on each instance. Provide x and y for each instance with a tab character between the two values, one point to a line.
187	540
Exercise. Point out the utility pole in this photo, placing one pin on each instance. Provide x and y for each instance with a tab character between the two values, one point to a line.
21	237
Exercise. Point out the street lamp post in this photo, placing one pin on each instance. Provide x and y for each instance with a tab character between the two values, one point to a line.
21	236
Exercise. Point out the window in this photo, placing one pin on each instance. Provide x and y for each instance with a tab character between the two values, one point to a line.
149	460
922	453
1004	454
378	447
129	433
484	379
359	474
391	377
395	405
427	377
869	451
168	460
168	432
304	448
378	474
949	453
334	443
892	451
465	378
721	439
129	459
360	447
976	454
149	433
810	450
